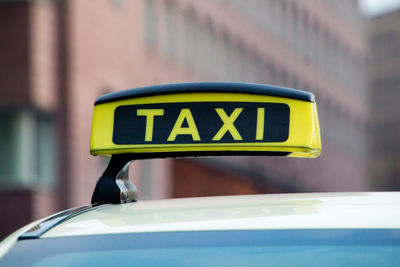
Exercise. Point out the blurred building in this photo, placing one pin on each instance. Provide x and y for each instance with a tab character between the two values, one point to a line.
58	56
384	40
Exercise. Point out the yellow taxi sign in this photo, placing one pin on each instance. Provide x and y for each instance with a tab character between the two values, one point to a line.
205	119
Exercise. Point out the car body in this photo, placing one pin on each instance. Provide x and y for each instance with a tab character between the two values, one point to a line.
209	119
329	228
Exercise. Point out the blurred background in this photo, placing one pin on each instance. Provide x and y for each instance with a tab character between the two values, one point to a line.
57	56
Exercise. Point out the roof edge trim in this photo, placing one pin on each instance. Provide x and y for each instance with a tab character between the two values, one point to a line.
48	223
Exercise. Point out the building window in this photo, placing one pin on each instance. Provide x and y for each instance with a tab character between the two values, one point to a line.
171	28
117	3
239	63
284	21
209	57
273	74
295	25
228	62
150	31
27	142
261	69
220	70
45	145
189	37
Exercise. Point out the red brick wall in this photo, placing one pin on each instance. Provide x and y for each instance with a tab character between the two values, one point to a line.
193	179
14	51
16	210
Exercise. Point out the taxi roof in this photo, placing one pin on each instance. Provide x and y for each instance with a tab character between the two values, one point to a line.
252	212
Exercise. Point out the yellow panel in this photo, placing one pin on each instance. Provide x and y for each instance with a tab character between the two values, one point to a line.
303	139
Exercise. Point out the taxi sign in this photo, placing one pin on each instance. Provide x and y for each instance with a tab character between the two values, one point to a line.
196	119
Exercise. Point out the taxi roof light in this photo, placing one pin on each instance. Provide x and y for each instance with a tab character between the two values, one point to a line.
200	119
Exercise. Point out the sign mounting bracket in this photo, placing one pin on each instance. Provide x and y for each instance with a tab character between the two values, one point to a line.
114	186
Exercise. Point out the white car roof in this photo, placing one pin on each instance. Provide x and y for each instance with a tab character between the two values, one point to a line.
276	211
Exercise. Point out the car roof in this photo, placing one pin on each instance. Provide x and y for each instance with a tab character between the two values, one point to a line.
276	211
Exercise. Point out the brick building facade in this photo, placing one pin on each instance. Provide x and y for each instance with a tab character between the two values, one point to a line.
58	56
384	81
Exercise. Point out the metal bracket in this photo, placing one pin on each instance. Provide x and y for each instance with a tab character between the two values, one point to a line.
114	186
